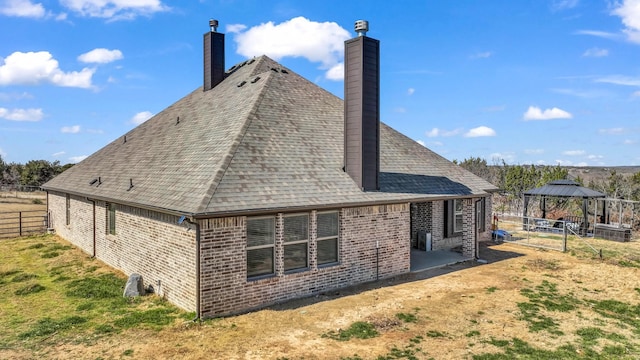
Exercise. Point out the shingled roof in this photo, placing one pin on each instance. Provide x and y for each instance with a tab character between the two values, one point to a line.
263	139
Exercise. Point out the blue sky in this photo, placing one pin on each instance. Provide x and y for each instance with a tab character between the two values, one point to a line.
529	81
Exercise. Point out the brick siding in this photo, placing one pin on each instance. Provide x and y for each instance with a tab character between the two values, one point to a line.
149	243
225	288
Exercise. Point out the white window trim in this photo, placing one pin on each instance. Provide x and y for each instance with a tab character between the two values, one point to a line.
457	213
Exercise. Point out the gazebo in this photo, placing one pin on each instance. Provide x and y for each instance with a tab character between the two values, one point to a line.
564	189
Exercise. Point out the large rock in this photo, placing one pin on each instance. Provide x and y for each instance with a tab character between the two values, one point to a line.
134	286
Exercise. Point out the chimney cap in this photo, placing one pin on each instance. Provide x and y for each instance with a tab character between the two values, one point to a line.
213	25
362	26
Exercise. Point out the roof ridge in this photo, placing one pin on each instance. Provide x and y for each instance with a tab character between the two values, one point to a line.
228	157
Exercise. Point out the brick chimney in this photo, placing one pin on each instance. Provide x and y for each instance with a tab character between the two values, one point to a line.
213	56
362	108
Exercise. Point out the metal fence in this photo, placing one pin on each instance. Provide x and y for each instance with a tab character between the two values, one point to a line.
22	223
536	232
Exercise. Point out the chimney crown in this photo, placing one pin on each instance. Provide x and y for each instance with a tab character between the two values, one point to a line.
213	25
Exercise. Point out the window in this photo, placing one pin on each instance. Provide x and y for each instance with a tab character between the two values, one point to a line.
68	209
260	246
457	222
111	218
453	219
480	215
296	241
327	239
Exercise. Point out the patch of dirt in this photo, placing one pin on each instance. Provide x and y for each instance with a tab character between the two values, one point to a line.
459	309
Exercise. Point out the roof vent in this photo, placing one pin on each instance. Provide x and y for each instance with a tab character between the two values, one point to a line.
251	61
274	69
178	120
93	181
255	80
284	71
125	139
130	184
241	84
362	26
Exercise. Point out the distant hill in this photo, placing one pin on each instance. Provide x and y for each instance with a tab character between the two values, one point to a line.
588	173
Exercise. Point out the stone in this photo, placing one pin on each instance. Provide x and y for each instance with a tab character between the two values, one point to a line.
134	286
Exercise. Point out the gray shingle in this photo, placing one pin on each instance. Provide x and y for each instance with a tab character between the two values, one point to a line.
273	143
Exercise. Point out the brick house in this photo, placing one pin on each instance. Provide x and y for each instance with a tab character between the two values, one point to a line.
260	187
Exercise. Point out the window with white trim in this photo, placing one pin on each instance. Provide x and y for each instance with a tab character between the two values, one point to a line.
261	235
327	237
296	241
458	206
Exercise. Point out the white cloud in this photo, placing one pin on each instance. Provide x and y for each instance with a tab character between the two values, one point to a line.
620	80
629	11
336	72
559	5
636	94
508	157
612	131
420	142
573	152
115	9
480	131
596	52
587	94
21	114
482	55
59	153
595	157
101	56
33	68
235	28
2	153
77	159
400	110
15	96
299	37
22	8
70	129
597	33
435	132
141	117
629	142
411	91
533	151
535	113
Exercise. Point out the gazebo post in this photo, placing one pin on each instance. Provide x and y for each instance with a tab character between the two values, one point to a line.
524	212
585	216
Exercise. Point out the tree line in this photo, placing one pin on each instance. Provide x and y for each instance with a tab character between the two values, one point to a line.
514	180
34	173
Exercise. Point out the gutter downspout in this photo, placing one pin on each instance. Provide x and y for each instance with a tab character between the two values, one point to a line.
475	234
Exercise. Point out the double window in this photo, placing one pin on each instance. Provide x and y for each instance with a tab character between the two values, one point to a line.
457	214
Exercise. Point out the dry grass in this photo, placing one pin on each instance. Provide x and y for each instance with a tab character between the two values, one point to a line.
464	311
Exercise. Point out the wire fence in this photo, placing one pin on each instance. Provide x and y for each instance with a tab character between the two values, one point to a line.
535	232
21	223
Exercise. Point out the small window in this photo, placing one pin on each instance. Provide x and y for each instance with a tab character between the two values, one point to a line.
457	223
260	246
296	241
480	215
111	219
327	239
68	209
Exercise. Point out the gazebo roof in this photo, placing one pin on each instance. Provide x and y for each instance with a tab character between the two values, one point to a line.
564	188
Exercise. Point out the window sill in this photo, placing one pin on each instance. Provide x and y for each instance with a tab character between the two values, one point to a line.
295	271
328	265
260	277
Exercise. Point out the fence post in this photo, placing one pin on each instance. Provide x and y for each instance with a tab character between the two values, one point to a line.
564	236
20	222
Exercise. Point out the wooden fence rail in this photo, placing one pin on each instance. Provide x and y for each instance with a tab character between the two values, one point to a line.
21	223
